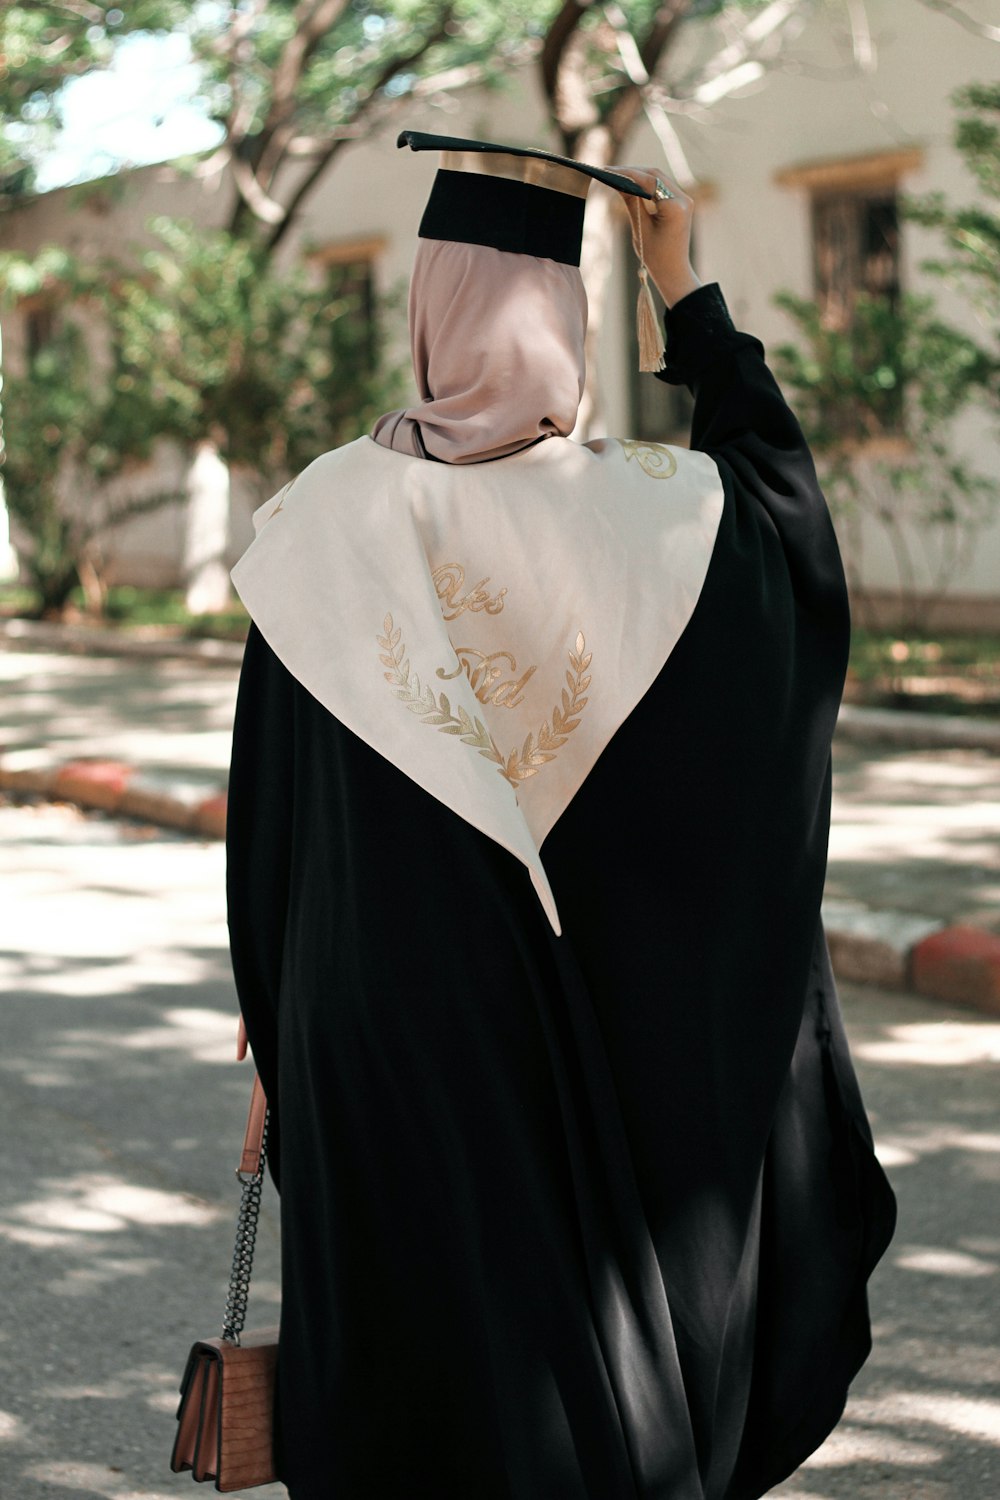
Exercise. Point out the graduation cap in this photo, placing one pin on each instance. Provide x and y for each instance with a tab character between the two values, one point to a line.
527	201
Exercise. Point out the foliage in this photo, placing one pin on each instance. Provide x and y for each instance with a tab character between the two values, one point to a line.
971	233
42	45
69	438
932	673
875	400
204	341
274	367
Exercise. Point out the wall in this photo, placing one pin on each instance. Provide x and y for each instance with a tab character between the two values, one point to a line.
753	234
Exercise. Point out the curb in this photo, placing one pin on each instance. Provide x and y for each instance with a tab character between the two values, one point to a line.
905	951
893	950
89	640
114	787
878	726
889	726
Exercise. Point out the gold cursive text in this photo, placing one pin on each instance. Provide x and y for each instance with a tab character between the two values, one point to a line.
449	581
483	677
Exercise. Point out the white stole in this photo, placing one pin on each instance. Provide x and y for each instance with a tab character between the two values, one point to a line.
485	627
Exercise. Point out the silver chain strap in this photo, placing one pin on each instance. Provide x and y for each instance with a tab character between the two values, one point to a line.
246	1235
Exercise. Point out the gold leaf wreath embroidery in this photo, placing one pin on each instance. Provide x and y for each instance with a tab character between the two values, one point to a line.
435	709
653	458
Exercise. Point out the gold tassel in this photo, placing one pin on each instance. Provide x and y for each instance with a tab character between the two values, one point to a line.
647	324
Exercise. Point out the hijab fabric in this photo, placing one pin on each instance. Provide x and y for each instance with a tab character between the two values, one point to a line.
498	353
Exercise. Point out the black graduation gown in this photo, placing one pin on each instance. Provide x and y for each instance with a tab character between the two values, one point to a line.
587	1217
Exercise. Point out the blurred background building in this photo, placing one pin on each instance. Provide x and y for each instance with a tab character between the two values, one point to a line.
797	164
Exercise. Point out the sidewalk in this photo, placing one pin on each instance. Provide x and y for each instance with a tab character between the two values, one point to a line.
123	1106
913	887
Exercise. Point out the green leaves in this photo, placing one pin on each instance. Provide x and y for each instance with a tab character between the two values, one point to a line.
42	45
203	339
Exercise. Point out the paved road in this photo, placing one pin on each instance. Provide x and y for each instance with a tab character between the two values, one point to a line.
913	830
120	1105
917	830
172	718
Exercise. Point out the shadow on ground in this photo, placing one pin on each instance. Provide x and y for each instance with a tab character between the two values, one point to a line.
122	1109
917	831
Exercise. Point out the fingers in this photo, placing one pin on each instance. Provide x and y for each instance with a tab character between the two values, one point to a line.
651	178
241	1041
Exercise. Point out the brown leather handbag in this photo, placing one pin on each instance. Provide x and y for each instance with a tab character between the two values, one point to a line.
225	1416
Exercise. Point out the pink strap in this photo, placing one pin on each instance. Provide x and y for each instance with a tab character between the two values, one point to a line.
253	1140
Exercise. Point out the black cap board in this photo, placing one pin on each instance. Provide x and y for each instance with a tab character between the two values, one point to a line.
419	140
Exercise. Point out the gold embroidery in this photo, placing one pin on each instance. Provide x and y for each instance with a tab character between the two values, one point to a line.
449	581
281	502
564	720
482	678
435	709
653	458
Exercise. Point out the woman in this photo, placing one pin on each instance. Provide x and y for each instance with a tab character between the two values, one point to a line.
577	1188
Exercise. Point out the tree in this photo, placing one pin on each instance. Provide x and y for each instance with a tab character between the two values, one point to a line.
602	68
203	342
295	82
71	435
43	45
875	400
971	233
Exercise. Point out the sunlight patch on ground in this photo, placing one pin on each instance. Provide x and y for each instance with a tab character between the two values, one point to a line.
891	1154
932	770
206	1036
92	1203
12	1429
95	1481
966	1364
936	1261
906	1147
971	1416
855	1445
158	1381
936	1044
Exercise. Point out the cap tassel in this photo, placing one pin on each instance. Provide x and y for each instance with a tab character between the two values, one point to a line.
647	325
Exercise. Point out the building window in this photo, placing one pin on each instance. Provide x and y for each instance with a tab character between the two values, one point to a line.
855	238
348	272
851	202
855	250
351	283
39	328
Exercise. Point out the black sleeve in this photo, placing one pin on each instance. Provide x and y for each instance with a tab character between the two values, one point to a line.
743	421
258	846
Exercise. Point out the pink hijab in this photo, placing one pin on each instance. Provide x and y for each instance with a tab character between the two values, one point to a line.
498	352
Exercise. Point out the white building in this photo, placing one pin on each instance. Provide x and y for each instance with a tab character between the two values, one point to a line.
797	173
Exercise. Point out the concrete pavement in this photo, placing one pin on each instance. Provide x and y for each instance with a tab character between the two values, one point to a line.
913	889
121	1109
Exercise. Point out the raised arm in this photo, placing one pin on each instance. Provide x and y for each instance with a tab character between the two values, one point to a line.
743	421
740	418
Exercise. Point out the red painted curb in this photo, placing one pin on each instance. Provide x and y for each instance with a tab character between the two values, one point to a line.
94	783
961	964
210	816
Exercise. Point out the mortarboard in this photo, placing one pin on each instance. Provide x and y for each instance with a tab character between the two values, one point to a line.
524	200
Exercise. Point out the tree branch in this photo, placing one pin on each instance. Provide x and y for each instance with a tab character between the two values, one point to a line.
312	20
261	205
568	18
92	13
393	67
640	62
661	33
957	14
